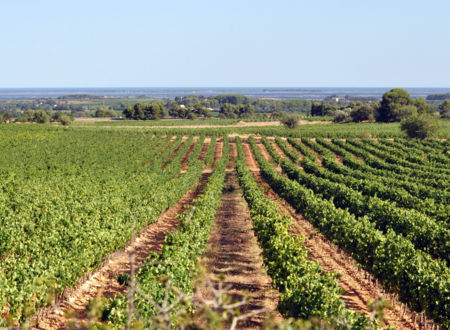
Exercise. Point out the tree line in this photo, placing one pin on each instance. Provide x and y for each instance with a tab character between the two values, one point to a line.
37	116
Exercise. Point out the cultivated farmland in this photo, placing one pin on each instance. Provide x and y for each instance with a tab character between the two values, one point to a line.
153	227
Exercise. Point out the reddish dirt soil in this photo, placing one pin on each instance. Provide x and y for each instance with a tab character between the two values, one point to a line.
233	156
319	156
179	146
277	148
300	155
217	152
204	150
234	254
360	287
103	282
338	159
250	160
184	164
157	145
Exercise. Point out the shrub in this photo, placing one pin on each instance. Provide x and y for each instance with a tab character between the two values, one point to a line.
444	109
419	126
341	116
363	112
290	121
65	120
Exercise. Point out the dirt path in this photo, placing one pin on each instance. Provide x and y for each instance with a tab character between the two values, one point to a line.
103	281
234	254
238	124
360	287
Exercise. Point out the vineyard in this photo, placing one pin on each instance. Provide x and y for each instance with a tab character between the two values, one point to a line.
155	228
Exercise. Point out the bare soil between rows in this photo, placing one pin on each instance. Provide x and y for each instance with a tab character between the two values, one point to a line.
234	255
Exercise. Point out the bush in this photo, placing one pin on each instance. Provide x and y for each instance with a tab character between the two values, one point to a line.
5	117
103	113
65	120
444	109
342	116
363	112
41	117
419	126
290	121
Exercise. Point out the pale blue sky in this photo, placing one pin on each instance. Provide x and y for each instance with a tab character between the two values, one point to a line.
172	43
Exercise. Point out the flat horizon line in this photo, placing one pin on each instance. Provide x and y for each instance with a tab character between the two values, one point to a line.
223	87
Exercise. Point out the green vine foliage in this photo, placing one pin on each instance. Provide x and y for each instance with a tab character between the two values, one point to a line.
419	281
305	290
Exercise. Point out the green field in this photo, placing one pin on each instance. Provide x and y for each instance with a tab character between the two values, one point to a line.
72	196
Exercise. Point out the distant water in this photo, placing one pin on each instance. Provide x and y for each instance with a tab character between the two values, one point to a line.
262	92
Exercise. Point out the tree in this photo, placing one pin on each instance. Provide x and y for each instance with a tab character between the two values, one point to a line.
391	101
200	110
139	111
423	107
246	111
405	111
318	109
420	126
104	112
41	117
153	111
362	112
128	113
174	110
6	117
444	109
228	110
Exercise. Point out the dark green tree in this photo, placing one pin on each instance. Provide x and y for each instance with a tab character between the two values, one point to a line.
318	109
154	111
390	104
246	111
129	113
174	110
364	112
444	109
228	110
139	111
